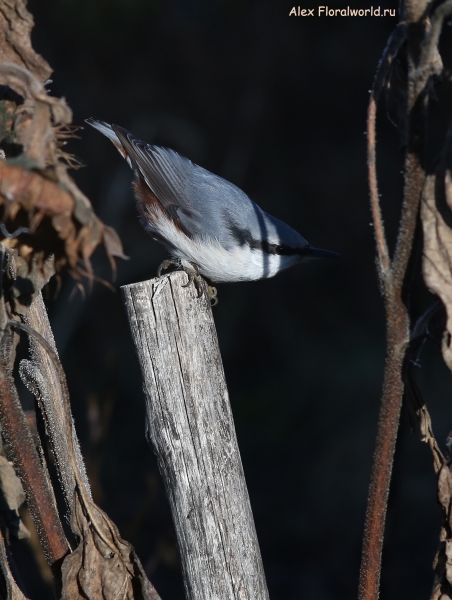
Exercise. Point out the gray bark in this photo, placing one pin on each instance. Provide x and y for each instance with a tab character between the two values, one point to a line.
191	428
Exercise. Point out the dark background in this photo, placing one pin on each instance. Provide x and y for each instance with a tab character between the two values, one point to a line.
276	105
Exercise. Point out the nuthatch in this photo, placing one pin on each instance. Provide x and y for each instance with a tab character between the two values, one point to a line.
209	226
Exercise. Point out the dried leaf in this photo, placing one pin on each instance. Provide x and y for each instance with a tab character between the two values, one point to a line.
437	258
16	24
13	592
31	190
113	243
26	277
427	436
51	213
7	116
448	553
445	487
103	565
38	182
11	498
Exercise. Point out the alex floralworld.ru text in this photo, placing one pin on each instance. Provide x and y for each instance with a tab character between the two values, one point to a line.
325	11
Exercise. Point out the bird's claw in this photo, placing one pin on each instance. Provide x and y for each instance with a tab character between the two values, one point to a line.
166	264
192	271
212	295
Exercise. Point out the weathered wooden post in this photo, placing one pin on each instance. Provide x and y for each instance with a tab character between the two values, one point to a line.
190	426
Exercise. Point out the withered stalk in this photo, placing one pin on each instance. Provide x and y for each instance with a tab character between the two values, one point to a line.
22	451
422	33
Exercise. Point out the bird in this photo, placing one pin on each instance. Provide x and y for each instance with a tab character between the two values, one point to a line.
210	227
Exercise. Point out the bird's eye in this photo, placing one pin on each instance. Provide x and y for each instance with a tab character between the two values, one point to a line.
279	249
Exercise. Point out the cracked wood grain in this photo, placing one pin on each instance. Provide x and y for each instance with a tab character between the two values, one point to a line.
191	428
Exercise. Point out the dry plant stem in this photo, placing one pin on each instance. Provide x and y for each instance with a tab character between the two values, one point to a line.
67	422
423	62
395	41
383	254
397	340
391	281
397	336
26	461
45	379
102	565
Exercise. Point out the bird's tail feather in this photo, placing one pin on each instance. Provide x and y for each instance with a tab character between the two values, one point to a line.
104	128
107	130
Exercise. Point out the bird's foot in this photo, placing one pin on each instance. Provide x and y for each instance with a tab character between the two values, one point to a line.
212	295
193	274
166	264
192	271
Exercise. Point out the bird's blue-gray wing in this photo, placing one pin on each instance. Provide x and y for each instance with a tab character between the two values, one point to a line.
201	203
167	174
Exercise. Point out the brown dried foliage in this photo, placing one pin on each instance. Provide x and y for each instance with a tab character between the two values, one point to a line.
55	224
36	192
11	498
436	214
104	565
437	256
16	24
12	590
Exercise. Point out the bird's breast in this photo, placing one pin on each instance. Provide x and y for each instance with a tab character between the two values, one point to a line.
217	263
238	264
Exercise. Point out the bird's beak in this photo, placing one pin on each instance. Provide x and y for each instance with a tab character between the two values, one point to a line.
312	252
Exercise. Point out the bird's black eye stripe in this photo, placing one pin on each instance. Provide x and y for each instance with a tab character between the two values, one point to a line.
242	236
278	249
